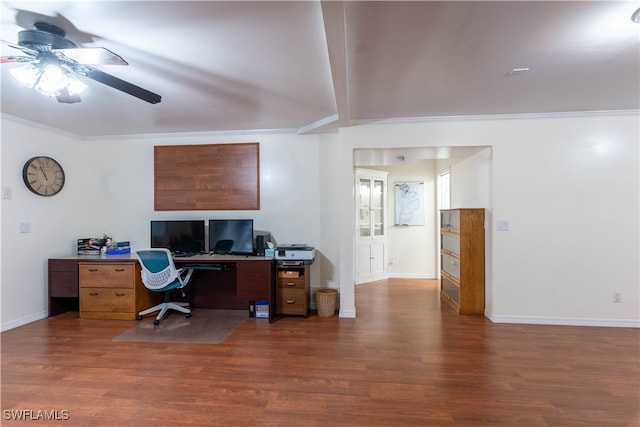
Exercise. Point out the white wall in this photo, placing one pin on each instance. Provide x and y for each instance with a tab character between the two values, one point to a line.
471	181
568	186
569	189
471	188
24	256
109	189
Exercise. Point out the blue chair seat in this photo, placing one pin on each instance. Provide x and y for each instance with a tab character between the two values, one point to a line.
159	274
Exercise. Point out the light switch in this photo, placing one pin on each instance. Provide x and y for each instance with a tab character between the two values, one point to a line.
502	225
6	192
25	227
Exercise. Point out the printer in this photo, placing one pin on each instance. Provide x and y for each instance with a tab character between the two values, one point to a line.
295	254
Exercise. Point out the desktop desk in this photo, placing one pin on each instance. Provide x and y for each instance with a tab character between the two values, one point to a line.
241	279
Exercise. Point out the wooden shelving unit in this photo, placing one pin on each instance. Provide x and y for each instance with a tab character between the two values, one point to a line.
462	259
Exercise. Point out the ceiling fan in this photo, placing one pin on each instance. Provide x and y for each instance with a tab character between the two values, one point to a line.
52	59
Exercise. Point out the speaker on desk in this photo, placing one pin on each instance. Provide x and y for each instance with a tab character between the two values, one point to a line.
261	243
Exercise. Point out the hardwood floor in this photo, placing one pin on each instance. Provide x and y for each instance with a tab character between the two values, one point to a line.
405	361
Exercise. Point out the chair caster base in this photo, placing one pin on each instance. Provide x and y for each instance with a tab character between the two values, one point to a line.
138	317
156	322
188	315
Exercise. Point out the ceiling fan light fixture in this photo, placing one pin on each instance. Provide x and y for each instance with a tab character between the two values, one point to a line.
75	86
26	75
52	80
48	78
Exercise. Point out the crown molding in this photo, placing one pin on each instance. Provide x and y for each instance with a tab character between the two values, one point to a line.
323	122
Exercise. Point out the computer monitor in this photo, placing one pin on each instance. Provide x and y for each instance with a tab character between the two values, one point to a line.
231	236
179	236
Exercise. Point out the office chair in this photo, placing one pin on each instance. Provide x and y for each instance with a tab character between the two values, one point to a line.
223	245
159	274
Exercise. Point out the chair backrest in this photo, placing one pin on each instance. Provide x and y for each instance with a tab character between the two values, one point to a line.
223	245
158	270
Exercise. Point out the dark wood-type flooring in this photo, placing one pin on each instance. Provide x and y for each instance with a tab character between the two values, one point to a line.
406	360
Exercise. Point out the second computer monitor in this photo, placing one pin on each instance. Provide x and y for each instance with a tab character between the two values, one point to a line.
231	236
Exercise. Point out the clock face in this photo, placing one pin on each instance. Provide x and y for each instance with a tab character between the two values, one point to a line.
43	176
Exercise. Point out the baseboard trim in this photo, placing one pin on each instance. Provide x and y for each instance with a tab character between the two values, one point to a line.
349	314
566	321
411	276
23	321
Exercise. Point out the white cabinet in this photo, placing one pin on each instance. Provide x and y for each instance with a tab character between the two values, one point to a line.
371	225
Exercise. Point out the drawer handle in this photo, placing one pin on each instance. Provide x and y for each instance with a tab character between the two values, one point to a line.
291	301
94	294
290	284
119	294
119	270
93	269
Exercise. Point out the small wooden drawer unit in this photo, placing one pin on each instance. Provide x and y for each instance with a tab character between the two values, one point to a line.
111	290
292	290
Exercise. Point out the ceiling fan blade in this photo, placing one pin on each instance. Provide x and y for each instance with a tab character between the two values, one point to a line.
65	97
26	50
121	85
92	56
22	59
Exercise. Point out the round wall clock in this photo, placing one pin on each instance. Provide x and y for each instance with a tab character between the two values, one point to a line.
43	176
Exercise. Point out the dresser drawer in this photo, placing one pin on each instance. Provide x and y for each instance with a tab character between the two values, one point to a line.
291	301
107	300
63	284
70	265
291	283
107	275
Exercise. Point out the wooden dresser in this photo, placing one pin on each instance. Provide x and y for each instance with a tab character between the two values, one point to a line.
112	290
292	290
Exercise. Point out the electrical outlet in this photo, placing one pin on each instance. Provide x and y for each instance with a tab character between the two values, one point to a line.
502	225
617	297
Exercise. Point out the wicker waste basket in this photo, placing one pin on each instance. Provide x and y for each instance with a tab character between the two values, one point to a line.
326	300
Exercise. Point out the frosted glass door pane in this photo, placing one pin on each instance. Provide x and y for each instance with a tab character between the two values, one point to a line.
378	192
364	208
378	222
451	266
365	228
451	243
378	208
451	220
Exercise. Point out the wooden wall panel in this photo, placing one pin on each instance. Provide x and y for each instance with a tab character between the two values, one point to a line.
207	177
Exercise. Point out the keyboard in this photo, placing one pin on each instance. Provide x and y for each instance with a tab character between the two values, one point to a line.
203	266
183	254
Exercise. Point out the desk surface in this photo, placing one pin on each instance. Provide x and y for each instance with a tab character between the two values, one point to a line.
187	259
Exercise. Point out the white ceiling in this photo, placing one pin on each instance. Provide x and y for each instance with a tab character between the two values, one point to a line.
310	66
